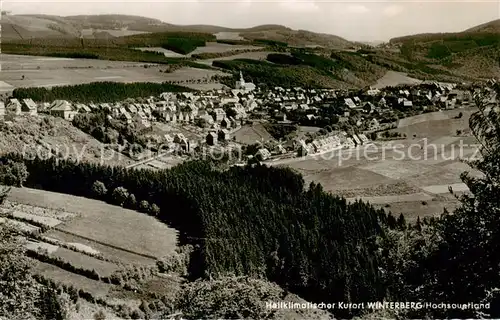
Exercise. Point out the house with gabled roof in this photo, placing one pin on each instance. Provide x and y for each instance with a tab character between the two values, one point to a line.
63	109
180	117
349	103
86	108
132	108
363	138
29	107
263	154
168	138
211	138
223	135
225	123
126	117
179	137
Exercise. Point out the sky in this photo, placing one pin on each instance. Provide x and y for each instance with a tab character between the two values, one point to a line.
356	21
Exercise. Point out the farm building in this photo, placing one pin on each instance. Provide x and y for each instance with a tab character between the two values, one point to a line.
63	109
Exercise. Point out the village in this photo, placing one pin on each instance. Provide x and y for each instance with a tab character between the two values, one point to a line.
203	121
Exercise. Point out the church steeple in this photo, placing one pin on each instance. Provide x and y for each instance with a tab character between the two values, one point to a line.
242	81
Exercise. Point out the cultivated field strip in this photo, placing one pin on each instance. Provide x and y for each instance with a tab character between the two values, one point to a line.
389	199
107	244
102	223
443	188
103	268
105	250
96	288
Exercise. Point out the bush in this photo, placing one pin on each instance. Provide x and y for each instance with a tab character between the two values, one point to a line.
229	298
120	195
131	201
13	173
183	45
154	210
137	314
99	315
143	206
99	189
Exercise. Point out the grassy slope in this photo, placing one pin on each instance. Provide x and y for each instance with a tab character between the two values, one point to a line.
35	134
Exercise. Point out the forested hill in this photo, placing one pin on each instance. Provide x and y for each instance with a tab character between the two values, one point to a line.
255	221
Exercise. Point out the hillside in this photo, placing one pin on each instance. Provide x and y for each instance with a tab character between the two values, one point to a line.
492	26
40	134
18	27
471	54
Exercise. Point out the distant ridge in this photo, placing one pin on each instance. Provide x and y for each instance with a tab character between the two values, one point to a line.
40	26
488	27
492	26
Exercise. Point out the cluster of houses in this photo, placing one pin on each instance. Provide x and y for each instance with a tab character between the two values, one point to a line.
367	108
221	112
332	142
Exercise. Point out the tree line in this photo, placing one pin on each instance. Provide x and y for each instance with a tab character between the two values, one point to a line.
96	92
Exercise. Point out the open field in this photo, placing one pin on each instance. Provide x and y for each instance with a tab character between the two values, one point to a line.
49	72
114	33
414	209
103	268
210	47
443	188
38	246
390	199
250	134
437	116
257	55
106	224
228	36
393	78
413	185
